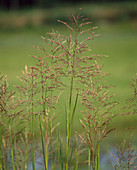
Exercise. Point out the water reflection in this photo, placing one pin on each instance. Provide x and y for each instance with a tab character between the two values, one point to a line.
107	161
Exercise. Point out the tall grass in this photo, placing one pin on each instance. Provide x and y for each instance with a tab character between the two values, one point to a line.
124	156
66	68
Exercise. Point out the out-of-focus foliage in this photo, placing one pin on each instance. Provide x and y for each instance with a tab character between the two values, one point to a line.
101	12
21	4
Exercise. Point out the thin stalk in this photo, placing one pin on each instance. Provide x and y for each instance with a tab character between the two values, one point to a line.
32	111
32	145
98	157
60	151
51	124
68	123
51	141
0	152
26	148
42	140
98	147
11	145
43	132
89	158
70	106
72	151
45	139
15	152
5	155
73	113
56	154
76	161
1	135
93	160
26	141
51	137
66	117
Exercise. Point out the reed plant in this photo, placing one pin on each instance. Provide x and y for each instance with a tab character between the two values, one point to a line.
97	116
65	71
131	104
124	156
72	58
11	121
67	52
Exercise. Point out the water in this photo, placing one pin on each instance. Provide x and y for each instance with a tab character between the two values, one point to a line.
105	159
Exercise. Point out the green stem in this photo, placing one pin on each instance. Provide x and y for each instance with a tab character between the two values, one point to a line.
26	141
32	111
26	148
45	141
56	154
93	158
51	137
43	127
5	155
60	151
98	145
70	105
89	158
0	152
68	123
73	112
98	157
76	161
51	123
33	145
43	146
51	142
12	152
15	153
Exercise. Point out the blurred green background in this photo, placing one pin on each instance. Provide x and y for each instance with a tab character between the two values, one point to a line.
22	23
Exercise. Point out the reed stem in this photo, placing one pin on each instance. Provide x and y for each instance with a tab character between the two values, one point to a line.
42	140
69	125
51	141
26	141
26	148
98	157
89	158
43	127
51	122
32	111
76	161
32	144
0	152
11	145
45	140
60	151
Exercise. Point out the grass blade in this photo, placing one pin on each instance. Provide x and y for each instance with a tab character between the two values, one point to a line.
74	110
